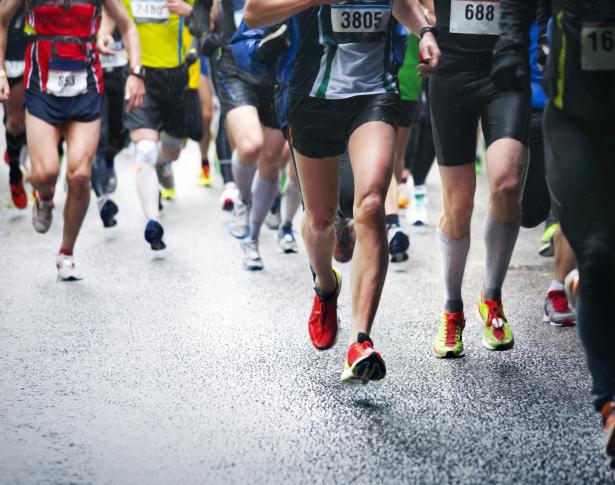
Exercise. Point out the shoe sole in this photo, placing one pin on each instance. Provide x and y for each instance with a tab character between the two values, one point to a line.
287	250
553	323
231	233
399	257
369	368
450	354
254	267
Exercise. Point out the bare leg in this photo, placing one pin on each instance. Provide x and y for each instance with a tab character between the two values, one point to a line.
43	150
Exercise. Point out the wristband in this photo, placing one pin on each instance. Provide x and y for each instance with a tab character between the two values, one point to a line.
427	28
3	73
137	71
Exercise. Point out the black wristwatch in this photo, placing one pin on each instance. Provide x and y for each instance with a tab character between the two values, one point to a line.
137	71
427	28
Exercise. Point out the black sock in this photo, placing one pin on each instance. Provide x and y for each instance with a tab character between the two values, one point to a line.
15	174
14	144
363	337
205	163
392	219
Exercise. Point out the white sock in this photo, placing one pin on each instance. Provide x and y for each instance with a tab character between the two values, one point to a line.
500	240
264	193
555	286
453	256
147	180
243	176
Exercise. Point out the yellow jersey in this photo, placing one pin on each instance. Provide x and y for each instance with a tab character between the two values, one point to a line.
194	71
161	33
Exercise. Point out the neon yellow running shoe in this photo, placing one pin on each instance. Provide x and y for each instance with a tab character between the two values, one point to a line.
448	343
168	194
497	334
205	179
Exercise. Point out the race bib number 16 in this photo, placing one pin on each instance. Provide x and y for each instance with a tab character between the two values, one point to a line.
598	47
477	17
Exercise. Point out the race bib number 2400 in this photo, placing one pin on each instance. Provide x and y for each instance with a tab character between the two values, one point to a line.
477	17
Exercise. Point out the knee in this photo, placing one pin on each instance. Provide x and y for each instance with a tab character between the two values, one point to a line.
16	123
207	115
146	152
459	214
507	188
320	221
249	147
79	178
370	208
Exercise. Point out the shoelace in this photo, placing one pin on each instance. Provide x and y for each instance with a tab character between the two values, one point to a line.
559	300
452	324
495	315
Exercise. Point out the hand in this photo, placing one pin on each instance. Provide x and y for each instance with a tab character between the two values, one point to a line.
209	43
4	89
275	43
102	44
179	7
543	53
429	55
135	92
510	71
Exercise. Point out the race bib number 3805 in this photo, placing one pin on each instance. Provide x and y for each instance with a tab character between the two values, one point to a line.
598	47
477	17
360	18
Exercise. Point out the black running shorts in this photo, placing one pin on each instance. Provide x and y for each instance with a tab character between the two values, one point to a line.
459	99
320	128
164	103
233	91
407	113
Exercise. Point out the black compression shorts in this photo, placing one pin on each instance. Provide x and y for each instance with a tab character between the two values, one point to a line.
459	99
233	91
407	113
164	104
320	128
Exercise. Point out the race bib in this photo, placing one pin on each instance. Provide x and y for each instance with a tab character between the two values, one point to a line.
67	78
14	68
118	59
477	17
598	47
360	18
149	11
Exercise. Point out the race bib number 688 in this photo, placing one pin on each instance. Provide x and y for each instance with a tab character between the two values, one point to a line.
477	17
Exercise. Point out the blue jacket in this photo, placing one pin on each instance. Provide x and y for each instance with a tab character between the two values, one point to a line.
539	98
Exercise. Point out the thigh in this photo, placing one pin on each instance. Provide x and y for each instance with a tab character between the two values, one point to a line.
242	123
43	144
81	141
319	179
15	107
371	148
454	118
317	126
205	97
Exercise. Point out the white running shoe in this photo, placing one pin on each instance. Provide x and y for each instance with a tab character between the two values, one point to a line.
66	268
229	196
239	225
417	213
286	240
42	214
252	260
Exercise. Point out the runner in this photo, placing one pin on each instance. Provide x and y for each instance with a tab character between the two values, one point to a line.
247	105
207	112
14	109
161	118
342	94
113	135
460	95
64	96
579	130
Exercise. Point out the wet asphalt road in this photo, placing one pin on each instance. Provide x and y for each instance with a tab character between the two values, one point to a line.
183	368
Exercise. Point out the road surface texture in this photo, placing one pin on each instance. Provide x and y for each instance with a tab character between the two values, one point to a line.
183	368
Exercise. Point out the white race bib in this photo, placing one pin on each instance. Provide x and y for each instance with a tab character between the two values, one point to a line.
362	18
67	84
477	17
118	59
149	11
14	68
598	47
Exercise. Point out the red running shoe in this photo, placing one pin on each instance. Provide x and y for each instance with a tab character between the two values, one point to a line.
363	364
19	195
608	415
324	323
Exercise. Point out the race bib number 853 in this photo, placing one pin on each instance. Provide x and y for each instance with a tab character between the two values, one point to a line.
478	17
363	18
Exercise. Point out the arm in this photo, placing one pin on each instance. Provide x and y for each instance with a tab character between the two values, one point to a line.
8	8
135	89
244	45
411	14
259	13
510	69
